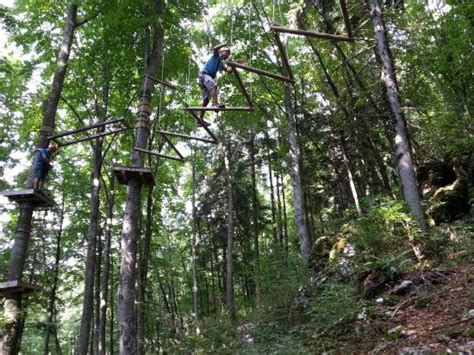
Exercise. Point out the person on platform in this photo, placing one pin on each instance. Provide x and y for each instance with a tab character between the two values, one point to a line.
43	165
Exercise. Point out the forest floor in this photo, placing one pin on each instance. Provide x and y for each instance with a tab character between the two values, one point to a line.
436	316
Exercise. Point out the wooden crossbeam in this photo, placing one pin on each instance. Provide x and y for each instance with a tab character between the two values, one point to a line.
311	34
345	15
171	86
74	131
241	86
260	72
172	146
158	154
218	109
173	134
199	121
284	57
103	134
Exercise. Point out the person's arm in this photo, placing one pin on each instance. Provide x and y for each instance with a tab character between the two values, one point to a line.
219	46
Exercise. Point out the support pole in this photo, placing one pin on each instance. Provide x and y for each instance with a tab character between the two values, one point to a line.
186	136
74	131
260	72
157	154
345	15
284	57
203	126
172	146
311	34
242	88
93	137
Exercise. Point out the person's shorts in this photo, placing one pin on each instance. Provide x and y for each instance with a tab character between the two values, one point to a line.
40	172
206	83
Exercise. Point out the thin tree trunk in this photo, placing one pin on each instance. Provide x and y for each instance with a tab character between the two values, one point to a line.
349	173
402	144
104	287
193	248
272	200
50	325
255	226
10	340
126	290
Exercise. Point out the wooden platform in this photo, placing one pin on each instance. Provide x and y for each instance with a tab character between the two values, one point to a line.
17	287
37	198
218	109
125	174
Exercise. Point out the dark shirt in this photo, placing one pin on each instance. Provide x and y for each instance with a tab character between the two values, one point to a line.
213	65
43	153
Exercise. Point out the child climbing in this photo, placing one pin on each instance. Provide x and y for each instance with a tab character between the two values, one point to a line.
207	77
43	165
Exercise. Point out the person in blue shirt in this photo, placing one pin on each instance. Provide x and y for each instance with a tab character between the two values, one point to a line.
43	165
207	77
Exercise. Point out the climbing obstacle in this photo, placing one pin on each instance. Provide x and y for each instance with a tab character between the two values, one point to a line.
35	197
125	174
16	286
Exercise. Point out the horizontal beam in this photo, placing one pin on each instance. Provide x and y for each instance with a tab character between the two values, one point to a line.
200	108
74	131
260	72
157	154
93	137
173	134
171	86
311	34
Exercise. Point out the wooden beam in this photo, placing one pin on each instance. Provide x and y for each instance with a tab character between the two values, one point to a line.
311	34
74	131
241	86
103	134
172	146
199	121
158	154
284	57
171	86
37	198
345	15
217	109
186	136
260	72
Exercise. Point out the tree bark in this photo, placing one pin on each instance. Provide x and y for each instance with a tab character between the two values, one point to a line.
402	144
104	287
126	290
10	341
255	226
193	248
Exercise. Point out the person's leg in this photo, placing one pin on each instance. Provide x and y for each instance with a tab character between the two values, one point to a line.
205	102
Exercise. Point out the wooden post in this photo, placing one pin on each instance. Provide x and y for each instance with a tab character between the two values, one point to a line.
199	120
74	131
284	57
327	36
260	72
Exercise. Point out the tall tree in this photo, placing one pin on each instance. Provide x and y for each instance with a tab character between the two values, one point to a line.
402	144
10	341
126	290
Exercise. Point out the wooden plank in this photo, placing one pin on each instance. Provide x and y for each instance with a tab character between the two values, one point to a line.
17	286
260	72
241	86
199	121
345	15
156	154
171	86
74	131
173	146
284	57
125	174
103	134
37	198
327	36
180	135
232	109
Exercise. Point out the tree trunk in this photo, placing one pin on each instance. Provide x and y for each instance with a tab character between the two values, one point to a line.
255	227
193	248
126	290
104	287
10	340
50	324
302	230
402	145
